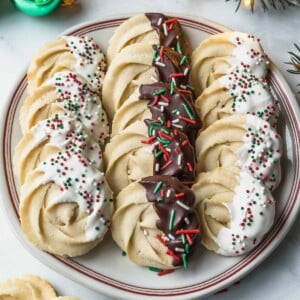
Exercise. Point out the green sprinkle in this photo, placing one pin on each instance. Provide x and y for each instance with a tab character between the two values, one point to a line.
187	248
184	260
183	239
154	269
172	87
157	187
165	130
182	61
158	154
178	46
162	91
174	111
123	253
188	111
171	223
160	199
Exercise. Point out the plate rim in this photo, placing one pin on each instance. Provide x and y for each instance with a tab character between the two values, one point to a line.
80	278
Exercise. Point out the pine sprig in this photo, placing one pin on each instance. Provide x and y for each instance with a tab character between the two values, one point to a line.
295	62
266	4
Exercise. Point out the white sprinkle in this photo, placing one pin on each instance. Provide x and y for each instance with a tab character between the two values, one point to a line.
175	121
157	167
163	103
153	146
177	126
174	81
171	237
162	108
184	87
186	71
187	221
168	193
159	21
179	249
165	29
160	64
146	232
186	207
165	238
179	159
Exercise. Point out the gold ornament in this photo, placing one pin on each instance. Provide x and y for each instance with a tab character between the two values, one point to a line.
248	3
68	2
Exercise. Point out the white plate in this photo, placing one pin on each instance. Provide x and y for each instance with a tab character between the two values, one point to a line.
105	269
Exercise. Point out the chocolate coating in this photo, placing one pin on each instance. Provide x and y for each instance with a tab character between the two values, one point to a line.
174	31
184	218
173	153
178	105
169	62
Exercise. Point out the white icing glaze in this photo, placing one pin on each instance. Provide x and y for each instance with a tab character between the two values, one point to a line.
261	151
249	54
90	60
67	134
252	213
250	96
77	99
83	184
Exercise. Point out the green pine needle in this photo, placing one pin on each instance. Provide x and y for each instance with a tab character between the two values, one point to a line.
266	4
294	61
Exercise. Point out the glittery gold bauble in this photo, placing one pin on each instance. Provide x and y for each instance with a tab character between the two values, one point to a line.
248	3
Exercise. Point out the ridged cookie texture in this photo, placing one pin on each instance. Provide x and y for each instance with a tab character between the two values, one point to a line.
244	141
237	93
65	202
81	55
68	94
127	159
220	53
51	136
235	209
66	205
139	64
29	287
148	28
153	225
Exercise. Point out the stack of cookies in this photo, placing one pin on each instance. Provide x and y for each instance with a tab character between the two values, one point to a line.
65	203
238	149
150	160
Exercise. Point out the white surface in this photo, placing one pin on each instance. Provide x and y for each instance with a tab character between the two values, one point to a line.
21	35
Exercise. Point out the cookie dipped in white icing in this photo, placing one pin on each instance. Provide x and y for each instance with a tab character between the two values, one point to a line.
237	93
243	141
59	133
80	55
236	210
66	93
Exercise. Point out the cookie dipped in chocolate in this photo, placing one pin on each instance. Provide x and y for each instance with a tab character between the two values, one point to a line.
169	31
171	66
173	202
174	106
173	153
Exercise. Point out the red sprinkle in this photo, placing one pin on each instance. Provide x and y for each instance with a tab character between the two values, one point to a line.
187	120
165	272
174	75
171	253
187	231
160	239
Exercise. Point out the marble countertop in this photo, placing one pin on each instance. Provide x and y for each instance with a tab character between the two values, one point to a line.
278	276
